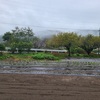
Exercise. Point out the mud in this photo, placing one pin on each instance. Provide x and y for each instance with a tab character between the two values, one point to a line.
48	87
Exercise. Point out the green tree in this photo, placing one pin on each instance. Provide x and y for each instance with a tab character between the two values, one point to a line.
7	37
27	46
87	43
97	43
13	47
2	47
66	40
19	38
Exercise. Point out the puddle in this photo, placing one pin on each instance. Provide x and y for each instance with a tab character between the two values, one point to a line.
50	71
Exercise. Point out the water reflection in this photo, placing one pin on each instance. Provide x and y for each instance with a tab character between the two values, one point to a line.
51	71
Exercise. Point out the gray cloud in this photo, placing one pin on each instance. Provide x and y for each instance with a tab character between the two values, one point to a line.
76	14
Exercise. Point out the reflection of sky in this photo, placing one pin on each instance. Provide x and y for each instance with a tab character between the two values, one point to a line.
86	60
48	14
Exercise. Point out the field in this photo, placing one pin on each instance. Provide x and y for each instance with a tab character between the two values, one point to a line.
48	87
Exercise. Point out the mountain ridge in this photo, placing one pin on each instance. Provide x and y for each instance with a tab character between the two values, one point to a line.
49	33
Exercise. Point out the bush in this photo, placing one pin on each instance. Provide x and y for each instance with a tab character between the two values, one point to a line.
3	57
78	50
78	55
41	56
60	55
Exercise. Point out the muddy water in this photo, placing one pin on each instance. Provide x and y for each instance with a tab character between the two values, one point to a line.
57	68
51	70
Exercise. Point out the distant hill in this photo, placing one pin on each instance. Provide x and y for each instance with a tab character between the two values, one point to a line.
46	33
49	33
85	32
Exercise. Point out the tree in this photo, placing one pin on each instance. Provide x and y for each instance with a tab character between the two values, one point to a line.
19	38
27	46
66	40
2	47
87	43
97	43
7	37
13	47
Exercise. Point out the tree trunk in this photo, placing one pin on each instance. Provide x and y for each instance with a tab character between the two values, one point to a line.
68	47
69	52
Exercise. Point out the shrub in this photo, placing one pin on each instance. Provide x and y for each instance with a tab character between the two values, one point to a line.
78	50
60	55
41	56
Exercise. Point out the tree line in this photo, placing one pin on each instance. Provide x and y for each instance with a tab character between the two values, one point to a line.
23	39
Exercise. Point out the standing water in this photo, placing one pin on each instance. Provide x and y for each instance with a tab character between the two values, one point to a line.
80	67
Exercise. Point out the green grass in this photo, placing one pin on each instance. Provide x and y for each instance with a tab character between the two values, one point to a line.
44	56
28	56
7	56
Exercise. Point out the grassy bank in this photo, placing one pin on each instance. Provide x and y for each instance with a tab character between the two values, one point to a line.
43	56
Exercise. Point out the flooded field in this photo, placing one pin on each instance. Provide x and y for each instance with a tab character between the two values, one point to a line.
50	80
78	67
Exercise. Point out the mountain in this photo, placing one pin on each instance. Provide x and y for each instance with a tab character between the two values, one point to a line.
46	33
49	33
85	32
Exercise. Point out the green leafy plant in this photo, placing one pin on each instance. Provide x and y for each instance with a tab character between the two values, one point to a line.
41	56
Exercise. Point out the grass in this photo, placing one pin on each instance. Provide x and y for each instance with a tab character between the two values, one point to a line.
43	56
7	56
28	56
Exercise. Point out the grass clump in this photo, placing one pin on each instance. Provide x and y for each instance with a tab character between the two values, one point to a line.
42	56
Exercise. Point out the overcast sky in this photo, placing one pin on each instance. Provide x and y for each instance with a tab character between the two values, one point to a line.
49	14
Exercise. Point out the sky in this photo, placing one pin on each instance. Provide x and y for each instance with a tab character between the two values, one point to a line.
43	15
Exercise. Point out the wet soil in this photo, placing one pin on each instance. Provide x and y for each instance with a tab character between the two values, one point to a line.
48	87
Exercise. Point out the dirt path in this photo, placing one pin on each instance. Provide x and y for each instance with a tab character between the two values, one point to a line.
48	87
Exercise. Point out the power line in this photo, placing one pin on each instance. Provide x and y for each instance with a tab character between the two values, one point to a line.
39	7
33	25
38	26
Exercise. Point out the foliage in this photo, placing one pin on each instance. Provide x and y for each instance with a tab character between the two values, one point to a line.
7	37
60	55
92	55
41	56
23	39
77	55
77	50
2	47
16	57
67	40
5	56
19	38
87	43
97	43
13	47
